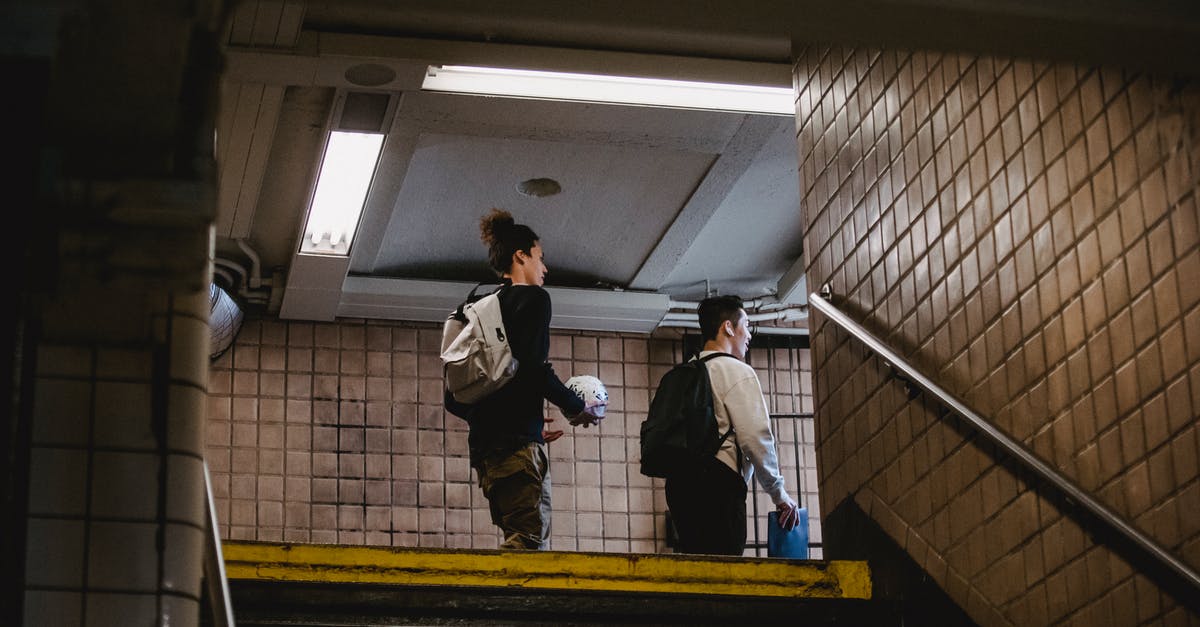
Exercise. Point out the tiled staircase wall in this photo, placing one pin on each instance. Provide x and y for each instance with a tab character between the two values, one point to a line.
1026	233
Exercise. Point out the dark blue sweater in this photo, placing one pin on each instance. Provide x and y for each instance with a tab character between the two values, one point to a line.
513	415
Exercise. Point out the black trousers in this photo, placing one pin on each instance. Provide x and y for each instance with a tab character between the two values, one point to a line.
708	507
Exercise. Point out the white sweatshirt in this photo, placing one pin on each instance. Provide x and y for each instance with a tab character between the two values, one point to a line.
738	398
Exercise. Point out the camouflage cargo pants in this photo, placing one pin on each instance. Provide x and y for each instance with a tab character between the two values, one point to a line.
517	487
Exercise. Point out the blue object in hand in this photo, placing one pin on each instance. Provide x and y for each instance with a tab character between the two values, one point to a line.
791	544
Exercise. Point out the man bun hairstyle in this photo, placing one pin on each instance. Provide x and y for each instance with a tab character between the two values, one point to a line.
504	237
714	311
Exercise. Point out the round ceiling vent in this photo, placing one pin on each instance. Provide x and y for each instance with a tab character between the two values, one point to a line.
370	74
539	187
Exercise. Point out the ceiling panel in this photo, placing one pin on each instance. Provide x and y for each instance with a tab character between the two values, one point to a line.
755	234
610	195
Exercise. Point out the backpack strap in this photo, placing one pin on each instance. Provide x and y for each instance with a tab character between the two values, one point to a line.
724	436
471	298
713	356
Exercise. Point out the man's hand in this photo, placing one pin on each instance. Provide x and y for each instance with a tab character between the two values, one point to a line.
592	414
789	515
550	435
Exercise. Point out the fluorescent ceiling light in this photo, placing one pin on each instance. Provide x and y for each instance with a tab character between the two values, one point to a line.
610	89
342	186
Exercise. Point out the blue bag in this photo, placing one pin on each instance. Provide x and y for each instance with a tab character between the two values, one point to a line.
791	544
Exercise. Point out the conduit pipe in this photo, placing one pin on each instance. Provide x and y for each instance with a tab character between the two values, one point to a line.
795	312
683	324
221	272
783	315
236	267
754	303
255	279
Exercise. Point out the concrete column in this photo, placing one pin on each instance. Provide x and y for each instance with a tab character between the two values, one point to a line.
115	527
117	313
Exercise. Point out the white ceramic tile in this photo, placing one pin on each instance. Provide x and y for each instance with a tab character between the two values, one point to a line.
57	481
122	363
61	411
590	525
613	474
186	408
183	559
54	553
64	360
481	520
563	543
593	545
121	610
588	499
123	415
125	485
641	526
643	546
185	489
587	474
189	348
122	556
431	520
641	500
432	540
563	498
181	612
458	469
615	499
52	607
458	521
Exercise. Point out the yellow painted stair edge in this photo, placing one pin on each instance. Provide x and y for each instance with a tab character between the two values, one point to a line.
621	572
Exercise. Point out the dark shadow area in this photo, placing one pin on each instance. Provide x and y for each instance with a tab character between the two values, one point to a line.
897	580
28	262
284	603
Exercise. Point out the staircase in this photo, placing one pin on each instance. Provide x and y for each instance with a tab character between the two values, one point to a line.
305	584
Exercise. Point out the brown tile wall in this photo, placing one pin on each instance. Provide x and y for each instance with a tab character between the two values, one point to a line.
335	433
1026	233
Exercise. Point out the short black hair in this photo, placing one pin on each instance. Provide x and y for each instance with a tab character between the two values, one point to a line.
714	311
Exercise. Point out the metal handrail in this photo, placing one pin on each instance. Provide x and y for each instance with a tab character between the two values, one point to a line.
1043	470
214	562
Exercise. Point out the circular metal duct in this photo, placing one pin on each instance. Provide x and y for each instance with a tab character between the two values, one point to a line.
224	320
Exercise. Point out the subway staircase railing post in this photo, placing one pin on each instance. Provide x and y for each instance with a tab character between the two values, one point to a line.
1072	492
214	562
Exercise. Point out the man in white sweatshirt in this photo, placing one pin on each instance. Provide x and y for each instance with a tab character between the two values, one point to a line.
708	506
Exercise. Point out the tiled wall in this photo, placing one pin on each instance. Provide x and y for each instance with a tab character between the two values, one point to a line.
335	433
115	530
1027	234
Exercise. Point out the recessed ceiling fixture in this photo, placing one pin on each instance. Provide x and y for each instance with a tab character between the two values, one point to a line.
342	186
370	74
539	187
610	89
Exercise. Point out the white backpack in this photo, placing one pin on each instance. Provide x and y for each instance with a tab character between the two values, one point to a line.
475	353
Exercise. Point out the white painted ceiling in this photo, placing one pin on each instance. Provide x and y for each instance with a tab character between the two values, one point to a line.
627	174
672	203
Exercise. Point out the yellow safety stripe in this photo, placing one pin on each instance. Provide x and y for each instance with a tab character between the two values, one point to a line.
548	570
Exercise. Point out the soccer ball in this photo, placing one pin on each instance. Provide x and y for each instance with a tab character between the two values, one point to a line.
590	389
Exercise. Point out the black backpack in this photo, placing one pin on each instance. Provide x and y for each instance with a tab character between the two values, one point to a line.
680	431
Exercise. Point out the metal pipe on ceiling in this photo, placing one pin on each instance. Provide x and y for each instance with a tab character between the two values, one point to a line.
683	324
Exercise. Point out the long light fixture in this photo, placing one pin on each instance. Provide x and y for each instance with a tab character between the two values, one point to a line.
346	172
610	89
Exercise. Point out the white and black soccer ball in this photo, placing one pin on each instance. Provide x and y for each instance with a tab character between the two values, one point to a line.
590	389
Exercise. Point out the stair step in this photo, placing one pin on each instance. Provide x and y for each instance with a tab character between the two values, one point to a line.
560	570
306	584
